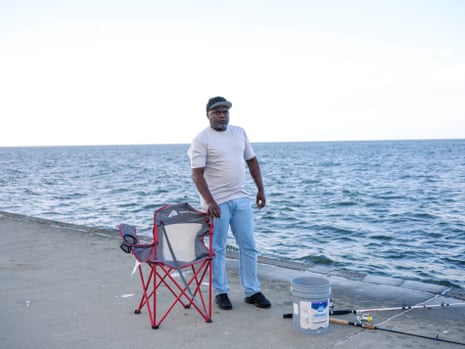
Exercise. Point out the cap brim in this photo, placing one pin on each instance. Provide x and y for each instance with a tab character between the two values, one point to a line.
221	104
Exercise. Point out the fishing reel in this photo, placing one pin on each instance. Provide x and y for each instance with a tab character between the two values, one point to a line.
364	318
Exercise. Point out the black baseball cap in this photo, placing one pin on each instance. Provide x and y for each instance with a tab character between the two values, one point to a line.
218	101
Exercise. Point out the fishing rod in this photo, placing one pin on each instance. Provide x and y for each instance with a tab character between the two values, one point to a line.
405	307
373	327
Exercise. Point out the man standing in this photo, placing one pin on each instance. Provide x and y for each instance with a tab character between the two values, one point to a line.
218	155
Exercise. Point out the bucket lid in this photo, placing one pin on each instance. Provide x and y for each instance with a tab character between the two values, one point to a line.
310	281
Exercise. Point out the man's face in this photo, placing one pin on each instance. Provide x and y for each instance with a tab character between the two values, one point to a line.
219	118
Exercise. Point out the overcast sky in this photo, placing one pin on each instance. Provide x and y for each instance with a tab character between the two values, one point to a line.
140	72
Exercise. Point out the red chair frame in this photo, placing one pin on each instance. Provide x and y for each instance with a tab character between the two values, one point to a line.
160	257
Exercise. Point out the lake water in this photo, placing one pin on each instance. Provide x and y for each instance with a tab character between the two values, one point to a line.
390	208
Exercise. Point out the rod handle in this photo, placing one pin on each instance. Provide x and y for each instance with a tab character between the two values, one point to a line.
342	312
339	321
352	323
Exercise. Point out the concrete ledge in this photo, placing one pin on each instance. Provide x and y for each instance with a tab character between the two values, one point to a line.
69	286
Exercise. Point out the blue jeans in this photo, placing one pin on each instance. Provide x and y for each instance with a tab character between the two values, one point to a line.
238	214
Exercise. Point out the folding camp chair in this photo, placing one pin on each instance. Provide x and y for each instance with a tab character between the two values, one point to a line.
179	258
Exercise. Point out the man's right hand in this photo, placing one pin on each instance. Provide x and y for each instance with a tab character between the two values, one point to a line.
213	209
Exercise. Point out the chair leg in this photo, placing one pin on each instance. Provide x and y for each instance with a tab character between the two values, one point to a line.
148	287
188	295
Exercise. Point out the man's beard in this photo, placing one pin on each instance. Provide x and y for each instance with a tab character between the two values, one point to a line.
220	126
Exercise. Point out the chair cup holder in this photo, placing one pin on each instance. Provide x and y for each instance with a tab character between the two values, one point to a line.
125	247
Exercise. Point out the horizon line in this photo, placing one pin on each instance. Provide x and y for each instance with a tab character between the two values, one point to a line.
253	142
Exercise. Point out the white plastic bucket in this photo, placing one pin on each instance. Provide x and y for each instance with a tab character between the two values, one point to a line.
310	299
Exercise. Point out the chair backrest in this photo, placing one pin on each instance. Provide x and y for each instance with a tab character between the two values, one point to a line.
182	234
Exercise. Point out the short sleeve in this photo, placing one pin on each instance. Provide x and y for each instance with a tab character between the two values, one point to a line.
249	153
197	153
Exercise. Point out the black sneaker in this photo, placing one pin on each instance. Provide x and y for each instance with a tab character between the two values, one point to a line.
223	301
259	300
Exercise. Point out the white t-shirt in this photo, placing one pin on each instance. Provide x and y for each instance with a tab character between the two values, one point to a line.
223	155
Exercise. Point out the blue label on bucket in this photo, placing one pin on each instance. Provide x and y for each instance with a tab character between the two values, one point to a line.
320	307
314	315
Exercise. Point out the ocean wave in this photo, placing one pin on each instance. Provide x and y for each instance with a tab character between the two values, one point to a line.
386	208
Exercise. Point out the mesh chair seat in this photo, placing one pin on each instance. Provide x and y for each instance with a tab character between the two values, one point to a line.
178	260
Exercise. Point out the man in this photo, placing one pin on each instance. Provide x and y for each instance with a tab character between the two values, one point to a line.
218	155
